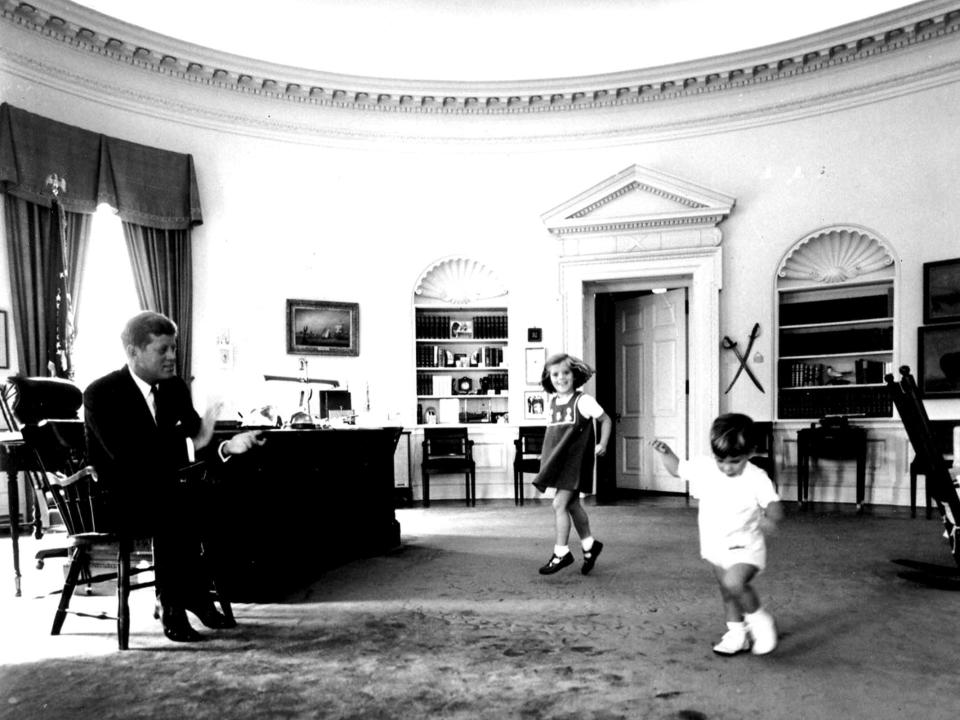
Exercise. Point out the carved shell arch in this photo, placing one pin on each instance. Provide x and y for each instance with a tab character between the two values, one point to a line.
835	255
460	281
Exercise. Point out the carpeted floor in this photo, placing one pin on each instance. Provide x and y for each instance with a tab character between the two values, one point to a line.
458	624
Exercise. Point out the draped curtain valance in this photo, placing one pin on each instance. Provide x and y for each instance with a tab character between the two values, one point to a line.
147	186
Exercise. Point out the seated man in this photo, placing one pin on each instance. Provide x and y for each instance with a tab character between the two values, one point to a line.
139	420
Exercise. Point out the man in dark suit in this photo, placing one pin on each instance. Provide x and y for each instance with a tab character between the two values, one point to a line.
140	426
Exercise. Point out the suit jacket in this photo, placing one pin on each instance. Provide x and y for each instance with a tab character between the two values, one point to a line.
137	458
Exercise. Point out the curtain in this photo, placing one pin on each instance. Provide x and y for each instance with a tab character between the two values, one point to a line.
156	196
35	261
163	275
147	186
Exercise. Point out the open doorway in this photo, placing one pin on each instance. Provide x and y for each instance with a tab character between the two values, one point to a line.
641	348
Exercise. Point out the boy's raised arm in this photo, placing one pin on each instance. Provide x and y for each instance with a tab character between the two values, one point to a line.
671	462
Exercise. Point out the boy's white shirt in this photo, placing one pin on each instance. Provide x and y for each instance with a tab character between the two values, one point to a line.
730	507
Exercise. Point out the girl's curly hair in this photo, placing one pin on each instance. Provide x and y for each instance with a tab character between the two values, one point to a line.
580	370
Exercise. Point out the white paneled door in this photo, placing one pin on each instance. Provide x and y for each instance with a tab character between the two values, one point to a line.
651	349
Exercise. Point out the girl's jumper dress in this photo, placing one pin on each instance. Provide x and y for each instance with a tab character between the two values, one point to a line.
566	462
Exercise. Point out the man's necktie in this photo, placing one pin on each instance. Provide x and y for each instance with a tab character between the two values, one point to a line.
153	403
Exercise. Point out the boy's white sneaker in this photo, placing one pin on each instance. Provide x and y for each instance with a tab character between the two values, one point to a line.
733	641
763	631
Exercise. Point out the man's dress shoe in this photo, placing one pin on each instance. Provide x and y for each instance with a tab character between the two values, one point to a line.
212	618
177	628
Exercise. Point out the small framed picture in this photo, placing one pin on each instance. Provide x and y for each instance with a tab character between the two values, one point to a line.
938	361
535	360
534	405
941	291
461	329
534	334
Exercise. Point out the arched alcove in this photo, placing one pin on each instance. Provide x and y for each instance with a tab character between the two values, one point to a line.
462	330
836	339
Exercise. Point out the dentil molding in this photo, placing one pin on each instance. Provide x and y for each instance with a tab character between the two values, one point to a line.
73	25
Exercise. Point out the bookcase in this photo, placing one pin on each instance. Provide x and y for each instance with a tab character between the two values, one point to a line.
462	374
835	344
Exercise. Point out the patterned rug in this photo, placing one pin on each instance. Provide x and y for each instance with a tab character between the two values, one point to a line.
458	624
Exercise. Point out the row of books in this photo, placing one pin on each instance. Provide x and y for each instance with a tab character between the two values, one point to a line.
802	374
868	402
439	356
478	327
442	385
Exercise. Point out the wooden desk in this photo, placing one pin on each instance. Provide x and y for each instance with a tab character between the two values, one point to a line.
822	441
305	501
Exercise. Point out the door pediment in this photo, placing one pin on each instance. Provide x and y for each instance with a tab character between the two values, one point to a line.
638	198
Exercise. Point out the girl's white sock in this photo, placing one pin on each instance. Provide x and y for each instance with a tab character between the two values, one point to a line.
560	550
587	543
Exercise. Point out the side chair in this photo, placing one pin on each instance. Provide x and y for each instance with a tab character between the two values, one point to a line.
526	459
449	450
764	456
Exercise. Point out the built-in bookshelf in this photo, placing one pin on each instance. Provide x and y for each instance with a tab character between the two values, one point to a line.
835	344
462	374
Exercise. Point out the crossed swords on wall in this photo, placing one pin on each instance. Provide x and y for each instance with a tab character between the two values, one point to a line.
744	358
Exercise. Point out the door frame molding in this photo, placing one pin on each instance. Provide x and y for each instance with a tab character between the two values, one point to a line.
646	229
697	269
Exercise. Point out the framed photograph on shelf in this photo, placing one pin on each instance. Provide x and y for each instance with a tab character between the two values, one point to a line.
461	329
535	403
4	341
536	357
941	291
321	327
938	361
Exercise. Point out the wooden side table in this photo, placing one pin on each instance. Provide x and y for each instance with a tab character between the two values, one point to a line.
842	441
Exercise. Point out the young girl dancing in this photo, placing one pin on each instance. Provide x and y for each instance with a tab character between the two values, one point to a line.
738	504
569	449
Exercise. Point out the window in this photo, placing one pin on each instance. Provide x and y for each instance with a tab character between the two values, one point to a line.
107	300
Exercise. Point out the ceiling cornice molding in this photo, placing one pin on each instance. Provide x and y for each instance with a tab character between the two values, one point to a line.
91	32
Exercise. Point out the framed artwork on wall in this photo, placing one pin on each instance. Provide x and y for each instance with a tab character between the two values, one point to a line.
941	291
938	360
535	359
321	327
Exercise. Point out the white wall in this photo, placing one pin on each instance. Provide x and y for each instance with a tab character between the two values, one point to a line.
296	214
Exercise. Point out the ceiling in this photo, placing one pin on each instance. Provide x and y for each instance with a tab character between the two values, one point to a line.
485	40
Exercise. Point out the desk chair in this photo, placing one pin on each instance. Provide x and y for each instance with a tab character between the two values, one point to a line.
448	450
27	401
528	446
764	457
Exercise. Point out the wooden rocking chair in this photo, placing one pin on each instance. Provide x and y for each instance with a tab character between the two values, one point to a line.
942	487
